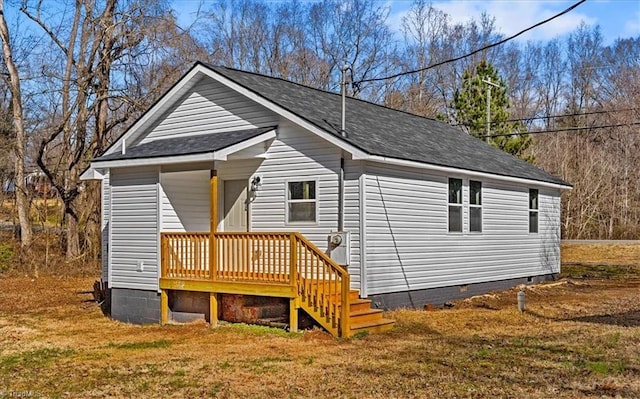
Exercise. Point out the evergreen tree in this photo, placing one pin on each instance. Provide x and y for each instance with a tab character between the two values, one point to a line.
470	104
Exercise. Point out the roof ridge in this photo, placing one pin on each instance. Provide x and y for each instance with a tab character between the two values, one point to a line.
367	102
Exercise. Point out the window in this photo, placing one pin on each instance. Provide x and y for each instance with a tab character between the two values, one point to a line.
301	201
533	210
455	205
475	206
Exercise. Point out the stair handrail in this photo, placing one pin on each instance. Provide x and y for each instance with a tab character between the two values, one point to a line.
342	273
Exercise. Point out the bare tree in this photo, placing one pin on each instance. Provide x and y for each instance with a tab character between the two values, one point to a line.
99	46
19	147
423	28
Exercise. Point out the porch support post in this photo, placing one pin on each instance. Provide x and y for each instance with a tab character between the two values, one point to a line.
293	276
213	309
164	307
213	223
293	314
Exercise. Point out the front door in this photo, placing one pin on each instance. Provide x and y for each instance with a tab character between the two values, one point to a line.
235	205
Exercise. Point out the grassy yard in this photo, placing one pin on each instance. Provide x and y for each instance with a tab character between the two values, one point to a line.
580	337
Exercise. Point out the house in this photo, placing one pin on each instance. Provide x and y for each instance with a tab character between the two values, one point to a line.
396	211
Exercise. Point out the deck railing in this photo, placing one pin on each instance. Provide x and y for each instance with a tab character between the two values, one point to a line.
252	256
185	255
275	258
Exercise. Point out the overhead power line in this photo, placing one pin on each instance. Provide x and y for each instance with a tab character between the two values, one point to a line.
611	111
498	43
566	129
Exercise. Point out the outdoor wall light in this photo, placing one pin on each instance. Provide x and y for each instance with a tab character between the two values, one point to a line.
256	183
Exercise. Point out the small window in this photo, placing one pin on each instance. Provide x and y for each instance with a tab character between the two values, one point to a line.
455	205
533	210
301	201
475	206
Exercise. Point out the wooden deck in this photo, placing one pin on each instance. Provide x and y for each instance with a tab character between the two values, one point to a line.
284	265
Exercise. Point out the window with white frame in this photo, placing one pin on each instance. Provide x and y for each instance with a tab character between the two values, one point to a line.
455	205
533	210
475	206
301	201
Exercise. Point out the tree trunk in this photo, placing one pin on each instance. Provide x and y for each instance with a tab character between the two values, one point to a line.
73	237
22	203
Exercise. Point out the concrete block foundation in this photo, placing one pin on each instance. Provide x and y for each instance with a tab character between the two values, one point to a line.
418	299
135	306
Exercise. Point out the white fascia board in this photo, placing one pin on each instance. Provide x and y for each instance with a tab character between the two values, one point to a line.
450	170
356	152
91	174
157	109
119	163
221	155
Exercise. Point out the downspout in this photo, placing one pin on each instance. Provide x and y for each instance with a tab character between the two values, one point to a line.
341	196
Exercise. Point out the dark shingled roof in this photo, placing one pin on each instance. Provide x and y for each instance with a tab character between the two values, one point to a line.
188	145
386	132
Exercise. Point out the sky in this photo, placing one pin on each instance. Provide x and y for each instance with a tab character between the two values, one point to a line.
616	18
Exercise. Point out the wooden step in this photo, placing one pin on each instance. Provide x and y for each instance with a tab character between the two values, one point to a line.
364	316
378	326
357	305
353	294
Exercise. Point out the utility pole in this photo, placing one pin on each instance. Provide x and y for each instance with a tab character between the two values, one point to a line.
489	85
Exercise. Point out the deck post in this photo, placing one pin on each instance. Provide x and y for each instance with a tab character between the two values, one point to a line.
164	255
293	261
345	309
213	309
213	223
293	314
293	276
164	307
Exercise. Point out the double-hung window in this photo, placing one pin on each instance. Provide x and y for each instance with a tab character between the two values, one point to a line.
533	210
301	202
455	205
475	206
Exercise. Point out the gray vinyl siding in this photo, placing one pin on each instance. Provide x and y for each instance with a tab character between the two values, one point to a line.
409	246
297	155
185	201
210	107
104	225
134	227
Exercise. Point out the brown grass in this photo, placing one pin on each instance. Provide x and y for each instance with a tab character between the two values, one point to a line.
611	254
580	337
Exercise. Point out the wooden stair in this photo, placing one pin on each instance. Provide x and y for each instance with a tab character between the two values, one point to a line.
362	317
286	266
